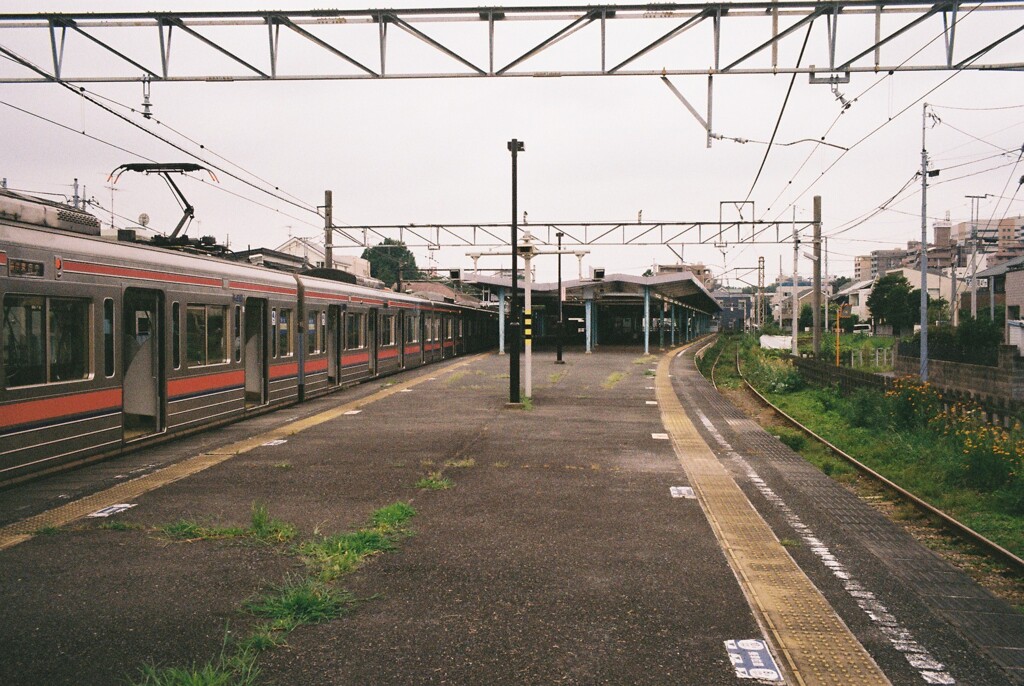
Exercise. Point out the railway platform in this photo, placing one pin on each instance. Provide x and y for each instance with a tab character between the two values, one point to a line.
628	526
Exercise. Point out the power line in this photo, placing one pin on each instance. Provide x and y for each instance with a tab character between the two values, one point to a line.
782	111
201	146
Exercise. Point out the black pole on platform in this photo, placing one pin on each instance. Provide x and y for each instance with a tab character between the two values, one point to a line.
560	327
515	147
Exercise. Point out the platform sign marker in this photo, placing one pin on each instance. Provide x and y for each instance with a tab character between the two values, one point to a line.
648	388
751	660
682	492
352	412
660	437
652	402
406	390
112	510
276	441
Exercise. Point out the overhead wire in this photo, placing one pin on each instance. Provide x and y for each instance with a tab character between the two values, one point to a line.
81	92
782	111
202	146
855	99
148	159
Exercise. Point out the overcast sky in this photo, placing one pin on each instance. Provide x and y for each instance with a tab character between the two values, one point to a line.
597	148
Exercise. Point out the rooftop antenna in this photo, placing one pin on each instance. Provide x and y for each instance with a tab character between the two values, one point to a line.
164	170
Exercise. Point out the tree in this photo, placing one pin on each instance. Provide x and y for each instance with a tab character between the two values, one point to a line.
893	302
840	283
385	259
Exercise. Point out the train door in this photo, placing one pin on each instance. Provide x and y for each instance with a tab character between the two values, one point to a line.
142	357
371	339
333	344
445	321
400	325
255	352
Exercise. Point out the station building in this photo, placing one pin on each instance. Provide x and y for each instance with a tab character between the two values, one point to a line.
617	309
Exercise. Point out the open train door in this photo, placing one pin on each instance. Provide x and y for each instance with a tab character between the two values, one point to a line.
255	352
142	356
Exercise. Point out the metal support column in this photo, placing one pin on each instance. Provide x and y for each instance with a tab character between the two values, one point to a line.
647	319
590	326
661	329
501	321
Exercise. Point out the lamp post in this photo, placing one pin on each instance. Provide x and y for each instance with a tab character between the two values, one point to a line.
561	323
515	147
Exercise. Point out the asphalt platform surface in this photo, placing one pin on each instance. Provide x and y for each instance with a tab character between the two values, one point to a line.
558	556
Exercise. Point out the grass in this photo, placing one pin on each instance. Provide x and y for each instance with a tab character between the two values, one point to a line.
119	526
556	377
527	403
47	531
645	359
337	555
434	482
262	529
461	464
231	668
613	379
300	601
283	465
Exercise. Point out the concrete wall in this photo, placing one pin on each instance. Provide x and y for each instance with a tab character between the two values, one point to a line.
1002	382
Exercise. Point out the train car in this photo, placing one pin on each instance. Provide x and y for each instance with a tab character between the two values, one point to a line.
109	345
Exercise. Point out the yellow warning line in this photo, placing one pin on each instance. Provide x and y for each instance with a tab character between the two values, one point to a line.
15	533
816	646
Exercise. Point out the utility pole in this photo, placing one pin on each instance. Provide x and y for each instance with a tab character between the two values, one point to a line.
329	229
924	244
796	299
975	210
760	292
560	330
816	295
827	296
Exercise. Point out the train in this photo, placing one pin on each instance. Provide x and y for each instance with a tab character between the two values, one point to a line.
111	345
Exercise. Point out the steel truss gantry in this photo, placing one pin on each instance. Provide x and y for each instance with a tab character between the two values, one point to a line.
355	42
720	234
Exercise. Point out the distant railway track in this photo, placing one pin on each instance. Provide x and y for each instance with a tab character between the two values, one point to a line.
959	528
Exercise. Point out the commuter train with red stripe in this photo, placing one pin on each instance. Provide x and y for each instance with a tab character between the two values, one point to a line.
107	345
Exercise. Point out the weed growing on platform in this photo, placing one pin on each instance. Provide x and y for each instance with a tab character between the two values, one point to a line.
527	403
119	526
613	379
300	601
283	465
556	377
263	529
334	556
236	668
645	359
434	482
461	464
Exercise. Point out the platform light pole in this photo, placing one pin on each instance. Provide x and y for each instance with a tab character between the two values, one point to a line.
515	147
561	322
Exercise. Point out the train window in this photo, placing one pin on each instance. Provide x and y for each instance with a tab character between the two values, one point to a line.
46	340
387	329
412	328
176	334
206	334
311	331
284	333
108	337
355	331
273	330
323	331
238	333
449	329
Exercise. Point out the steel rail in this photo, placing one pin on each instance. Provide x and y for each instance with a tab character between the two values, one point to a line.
956	525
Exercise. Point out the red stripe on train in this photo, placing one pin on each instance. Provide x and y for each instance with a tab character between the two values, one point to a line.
316	365
262	288
281	371
208	382
148	274
32	411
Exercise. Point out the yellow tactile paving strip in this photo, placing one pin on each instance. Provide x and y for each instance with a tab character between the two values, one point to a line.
15	533
815	645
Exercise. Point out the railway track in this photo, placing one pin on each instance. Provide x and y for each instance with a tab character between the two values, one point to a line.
963	531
